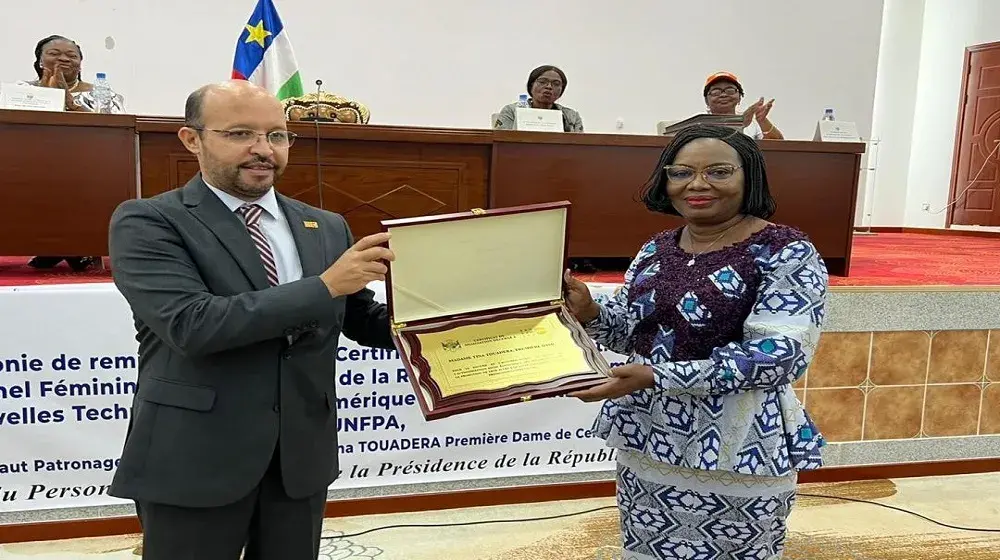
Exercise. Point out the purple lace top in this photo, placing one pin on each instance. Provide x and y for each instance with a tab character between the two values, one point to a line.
704	303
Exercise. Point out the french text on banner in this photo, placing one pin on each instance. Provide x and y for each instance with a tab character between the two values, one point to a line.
68	376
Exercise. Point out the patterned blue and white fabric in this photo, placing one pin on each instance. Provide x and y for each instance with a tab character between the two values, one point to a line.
673	513
726	338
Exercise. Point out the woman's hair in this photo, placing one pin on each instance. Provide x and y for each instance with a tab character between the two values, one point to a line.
757	200
41	46
537	73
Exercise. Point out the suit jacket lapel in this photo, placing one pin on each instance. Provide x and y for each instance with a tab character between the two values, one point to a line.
227	227
308	240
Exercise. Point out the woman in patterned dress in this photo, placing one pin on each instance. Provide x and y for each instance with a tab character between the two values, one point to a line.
719	318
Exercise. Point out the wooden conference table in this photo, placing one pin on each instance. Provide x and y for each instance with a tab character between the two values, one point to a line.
66	172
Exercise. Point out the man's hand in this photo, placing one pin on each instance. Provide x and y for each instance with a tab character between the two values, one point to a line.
625	380
359	265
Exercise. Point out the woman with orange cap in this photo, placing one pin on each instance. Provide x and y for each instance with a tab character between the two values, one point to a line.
723	93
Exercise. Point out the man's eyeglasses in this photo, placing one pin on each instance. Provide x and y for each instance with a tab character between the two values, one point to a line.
244	137
715	174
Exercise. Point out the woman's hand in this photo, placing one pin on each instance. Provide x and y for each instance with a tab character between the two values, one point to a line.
48	78
751	111
71	104
55	78
763	110
579	300
624	380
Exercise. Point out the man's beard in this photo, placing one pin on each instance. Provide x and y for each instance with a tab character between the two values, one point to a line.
229	178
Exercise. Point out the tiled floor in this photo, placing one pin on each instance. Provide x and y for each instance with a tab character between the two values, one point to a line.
821	529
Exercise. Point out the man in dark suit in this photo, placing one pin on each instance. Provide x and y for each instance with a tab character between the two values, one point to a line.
238	310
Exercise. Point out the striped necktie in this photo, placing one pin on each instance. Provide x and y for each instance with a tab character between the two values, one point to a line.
251	216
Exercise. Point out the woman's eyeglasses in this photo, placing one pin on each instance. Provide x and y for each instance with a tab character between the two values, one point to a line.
556	84
682	174
716	92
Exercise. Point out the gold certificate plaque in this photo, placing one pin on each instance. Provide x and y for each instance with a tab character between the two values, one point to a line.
477	309
483	362
502	354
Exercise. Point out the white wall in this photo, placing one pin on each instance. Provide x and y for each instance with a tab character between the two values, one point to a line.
895	102
917	98
451	63
948	29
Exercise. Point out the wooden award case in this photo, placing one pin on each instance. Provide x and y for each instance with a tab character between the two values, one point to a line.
476	267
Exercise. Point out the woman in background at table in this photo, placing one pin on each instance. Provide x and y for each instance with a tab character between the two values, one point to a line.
723	93
546	85
58	65
718	318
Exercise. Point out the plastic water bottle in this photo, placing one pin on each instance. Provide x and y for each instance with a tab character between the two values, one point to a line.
522	101
828	115
102	94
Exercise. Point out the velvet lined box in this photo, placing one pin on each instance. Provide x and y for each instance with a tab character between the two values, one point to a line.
483	290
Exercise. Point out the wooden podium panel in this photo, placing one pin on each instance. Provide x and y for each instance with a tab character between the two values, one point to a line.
68	171
64	175
815	186
366	173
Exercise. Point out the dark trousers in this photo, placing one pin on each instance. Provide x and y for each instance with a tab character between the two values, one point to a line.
269	524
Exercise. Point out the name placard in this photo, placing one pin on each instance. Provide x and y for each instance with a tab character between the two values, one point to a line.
836	131
539	120
31	98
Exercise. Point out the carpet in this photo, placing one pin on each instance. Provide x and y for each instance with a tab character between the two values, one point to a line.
907	259
819	529
14	271
885	259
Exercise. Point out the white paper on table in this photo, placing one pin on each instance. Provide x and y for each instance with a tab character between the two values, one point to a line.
31	98
539	120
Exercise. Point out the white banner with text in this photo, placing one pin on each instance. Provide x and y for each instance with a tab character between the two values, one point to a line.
67	378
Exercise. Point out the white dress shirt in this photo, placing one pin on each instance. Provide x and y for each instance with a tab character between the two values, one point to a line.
276	229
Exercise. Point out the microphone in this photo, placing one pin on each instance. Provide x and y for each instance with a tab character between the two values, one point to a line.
319	164
319	89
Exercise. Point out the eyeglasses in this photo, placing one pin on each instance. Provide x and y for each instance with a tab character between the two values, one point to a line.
243	137
715	92
556	84
715	174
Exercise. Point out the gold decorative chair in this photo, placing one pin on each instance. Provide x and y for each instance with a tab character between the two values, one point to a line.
328	108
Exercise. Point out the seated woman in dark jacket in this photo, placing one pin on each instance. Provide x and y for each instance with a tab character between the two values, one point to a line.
546	85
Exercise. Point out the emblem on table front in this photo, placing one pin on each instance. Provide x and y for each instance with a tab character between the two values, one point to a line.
451	345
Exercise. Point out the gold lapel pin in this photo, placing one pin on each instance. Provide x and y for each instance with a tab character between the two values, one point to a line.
310	225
